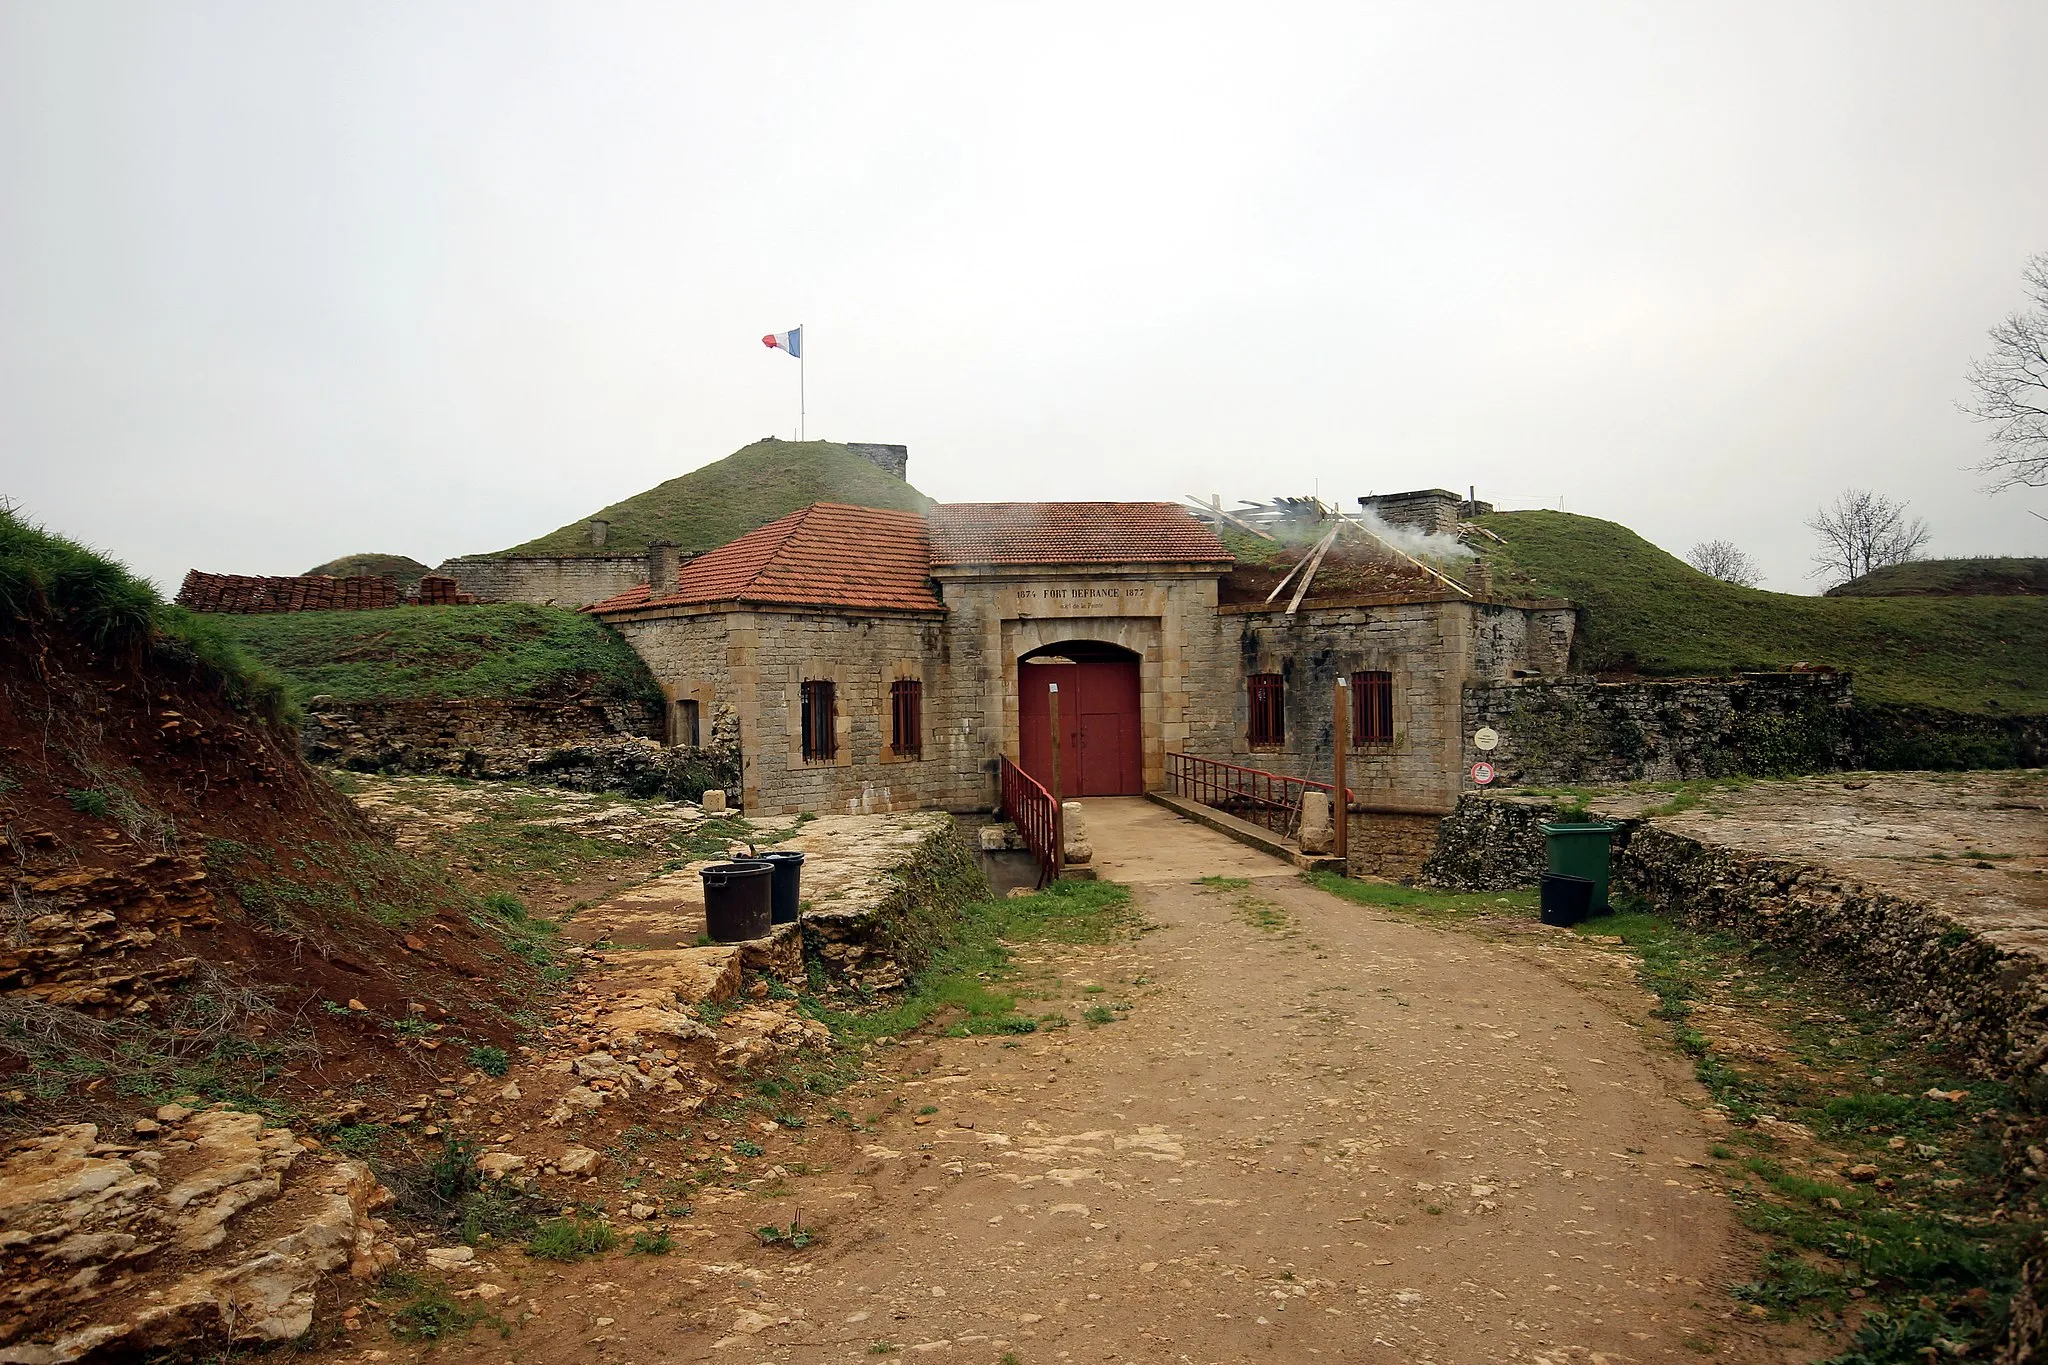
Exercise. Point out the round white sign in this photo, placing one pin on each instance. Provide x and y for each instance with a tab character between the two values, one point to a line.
1486	737
1482	773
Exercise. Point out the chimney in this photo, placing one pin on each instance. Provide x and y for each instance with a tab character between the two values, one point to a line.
598	526
663	563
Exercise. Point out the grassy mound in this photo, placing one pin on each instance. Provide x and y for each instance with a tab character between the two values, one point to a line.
417	653
1648	612
709	507
404	568
1985	576
51	584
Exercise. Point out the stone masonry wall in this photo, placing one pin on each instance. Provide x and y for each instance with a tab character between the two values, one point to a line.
550	580
1578	731
752	664
1431	647
890	459
1390	845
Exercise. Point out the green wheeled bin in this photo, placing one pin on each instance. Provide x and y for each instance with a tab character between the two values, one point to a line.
1581	850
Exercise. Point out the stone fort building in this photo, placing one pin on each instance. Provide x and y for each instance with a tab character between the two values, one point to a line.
878	660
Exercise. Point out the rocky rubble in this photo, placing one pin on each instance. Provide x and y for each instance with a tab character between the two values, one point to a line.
80	931
209	1225
582	745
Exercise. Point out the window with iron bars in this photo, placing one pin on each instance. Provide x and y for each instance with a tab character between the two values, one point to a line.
906	718
821	742
1372	708
1266	694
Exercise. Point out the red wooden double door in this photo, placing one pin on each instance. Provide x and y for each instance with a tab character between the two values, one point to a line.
1101	743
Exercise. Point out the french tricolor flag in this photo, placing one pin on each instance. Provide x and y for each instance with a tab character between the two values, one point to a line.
791	341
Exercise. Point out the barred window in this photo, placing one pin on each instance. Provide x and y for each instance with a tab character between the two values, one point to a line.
821	740
1267	695
1372	708
906	718
688	735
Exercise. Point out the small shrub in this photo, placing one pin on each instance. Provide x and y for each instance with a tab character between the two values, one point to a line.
497	1212
651	1244
93	803
432	1313
795	1237
747	1147
1097	1015
492	1061
571	1239
435	1190
358	1139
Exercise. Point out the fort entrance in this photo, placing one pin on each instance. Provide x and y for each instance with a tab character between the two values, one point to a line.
1101	738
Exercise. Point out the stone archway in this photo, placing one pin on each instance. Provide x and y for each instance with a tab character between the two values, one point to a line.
1101	729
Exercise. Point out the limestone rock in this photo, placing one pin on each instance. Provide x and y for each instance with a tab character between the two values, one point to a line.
579	1161
97	1222
714	802
498	1165
450	1258
1317	833
751	1037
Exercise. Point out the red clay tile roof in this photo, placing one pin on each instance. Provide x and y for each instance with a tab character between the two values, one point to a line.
825	555
1070	533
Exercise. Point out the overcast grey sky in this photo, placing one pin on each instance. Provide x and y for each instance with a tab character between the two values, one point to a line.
281	281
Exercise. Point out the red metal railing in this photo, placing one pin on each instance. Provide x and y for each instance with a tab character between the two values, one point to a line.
1269	799
1036	815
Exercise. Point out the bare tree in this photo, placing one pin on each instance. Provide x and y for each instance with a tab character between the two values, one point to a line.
2012	390
1864	531
1723	560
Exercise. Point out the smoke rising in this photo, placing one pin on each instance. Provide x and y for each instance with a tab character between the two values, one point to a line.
1409	541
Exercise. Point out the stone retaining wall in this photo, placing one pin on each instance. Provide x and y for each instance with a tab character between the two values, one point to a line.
1580	731
587	746
1987	1002
551	580
1390	844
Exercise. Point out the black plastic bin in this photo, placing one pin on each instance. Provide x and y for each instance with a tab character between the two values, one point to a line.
737	901
789	881
1566	900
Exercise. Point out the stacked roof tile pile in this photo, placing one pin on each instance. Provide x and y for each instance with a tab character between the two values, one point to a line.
438	590
244	594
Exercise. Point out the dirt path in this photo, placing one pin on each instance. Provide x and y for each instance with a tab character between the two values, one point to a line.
1317	1131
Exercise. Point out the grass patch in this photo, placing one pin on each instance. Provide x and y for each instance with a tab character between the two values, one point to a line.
1976	576
431	1313
1418	900
50	582
571	1239
1933	1243
721	502
436	653
963	988
1646	611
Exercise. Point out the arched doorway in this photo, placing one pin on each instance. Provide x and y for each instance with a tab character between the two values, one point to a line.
1101	742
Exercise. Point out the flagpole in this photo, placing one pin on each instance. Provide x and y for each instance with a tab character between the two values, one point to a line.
801	431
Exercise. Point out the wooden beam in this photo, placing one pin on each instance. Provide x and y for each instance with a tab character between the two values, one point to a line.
1219	512
1316	562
